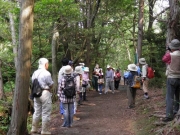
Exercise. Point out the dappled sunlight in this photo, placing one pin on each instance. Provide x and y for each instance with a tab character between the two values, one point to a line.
27	11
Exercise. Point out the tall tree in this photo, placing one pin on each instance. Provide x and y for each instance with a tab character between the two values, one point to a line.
140	27
173	22
20	102
13	35
54	59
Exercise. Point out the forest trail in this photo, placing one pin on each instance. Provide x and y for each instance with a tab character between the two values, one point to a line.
105	114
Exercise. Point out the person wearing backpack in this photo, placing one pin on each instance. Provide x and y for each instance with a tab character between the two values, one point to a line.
173	81
42	104
67	95
65	62
145	79
131	82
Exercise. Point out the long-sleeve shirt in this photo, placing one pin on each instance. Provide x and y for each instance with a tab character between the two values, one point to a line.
79	83
110	74
44	78
167	58
144	71
61	95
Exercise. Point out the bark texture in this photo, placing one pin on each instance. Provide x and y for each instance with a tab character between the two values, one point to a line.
20	102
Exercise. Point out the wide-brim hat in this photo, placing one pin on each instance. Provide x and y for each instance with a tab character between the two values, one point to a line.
142	61
42	62
78	70
175	44
132	67
86	69
68	69
108	66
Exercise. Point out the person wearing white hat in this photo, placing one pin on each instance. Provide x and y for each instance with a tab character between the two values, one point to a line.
131	92
173	81
85	82
78	75
42	104
109	78
145	79
68	102
65	62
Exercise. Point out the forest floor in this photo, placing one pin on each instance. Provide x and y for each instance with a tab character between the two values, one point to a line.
107	114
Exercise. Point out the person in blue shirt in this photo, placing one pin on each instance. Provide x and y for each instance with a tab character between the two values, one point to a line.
131	92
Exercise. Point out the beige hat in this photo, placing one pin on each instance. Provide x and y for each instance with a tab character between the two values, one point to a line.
42	62
68	69
86	69
142	61
175	44
108	66
132	67
78	70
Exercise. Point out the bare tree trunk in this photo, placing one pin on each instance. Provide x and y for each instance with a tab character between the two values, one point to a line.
54	60
151	18
13	35
172	26
1	82
20	102
140	27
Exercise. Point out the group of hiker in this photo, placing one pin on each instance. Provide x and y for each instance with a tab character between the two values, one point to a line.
74	82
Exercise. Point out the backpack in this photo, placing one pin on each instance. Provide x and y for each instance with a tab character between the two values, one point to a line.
136	82
69	88
150	72
36	88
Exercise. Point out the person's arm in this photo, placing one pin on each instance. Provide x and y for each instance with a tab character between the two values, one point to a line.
167	58
78	83
144	72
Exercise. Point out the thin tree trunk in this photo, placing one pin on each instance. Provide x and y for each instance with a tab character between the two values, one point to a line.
140	27
1	82
20	102
13	35
54	60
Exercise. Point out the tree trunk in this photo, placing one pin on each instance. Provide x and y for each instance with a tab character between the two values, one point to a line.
172	26
151	18
140	27
13	35
1	82
20	101
54	61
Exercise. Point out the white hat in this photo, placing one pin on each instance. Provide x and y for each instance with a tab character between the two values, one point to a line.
175	44
82	64
132	67
68	69
42	62
142	61
108	66
86	69
78	70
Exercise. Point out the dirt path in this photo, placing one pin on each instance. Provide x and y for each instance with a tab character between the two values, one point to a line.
100	115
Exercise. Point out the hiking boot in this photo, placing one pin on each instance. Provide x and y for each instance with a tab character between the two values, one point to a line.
167	119
75	118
